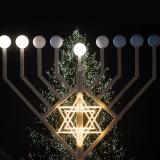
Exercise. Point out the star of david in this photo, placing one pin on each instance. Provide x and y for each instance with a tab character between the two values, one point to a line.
69	124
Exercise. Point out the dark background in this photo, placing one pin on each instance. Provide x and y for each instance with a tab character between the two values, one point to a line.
140	125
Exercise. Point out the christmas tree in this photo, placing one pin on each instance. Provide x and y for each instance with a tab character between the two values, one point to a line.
45	146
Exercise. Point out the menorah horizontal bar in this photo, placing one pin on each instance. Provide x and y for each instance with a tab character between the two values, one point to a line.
102	42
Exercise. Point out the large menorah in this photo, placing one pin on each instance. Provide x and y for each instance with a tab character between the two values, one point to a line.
80	107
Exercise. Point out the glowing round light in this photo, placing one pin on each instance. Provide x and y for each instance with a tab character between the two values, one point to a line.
79	49
39	41
136	40
22	41
119	41
5	41
102	41
56	41
154	40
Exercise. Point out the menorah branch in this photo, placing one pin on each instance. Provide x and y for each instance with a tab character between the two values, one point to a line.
13	87
27	82
56	62
102	70
41	77
117	77
145	87
131	82
104	106
51	109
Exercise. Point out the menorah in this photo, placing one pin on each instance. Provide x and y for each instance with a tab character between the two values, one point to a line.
78	129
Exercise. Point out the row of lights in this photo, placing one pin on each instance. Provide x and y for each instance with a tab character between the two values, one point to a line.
102	41
39	42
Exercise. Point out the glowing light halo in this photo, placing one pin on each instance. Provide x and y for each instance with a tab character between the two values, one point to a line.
68	126
79	49
22	41
5	41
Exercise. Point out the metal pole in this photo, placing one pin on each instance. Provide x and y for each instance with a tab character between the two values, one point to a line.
79	114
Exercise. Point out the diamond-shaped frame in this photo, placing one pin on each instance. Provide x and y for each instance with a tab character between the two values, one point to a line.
99	138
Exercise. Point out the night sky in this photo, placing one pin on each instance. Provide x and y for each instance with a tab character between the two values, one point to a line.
139	127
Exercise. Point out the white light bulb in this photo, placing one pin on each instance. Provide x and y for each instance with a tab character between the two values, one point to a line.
56	41
79	49
39	41
5	41
22	41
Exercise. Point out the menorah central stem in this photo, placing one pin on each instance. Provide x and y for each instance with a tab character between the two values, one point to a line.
79	76
80	124
79	137
79	114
